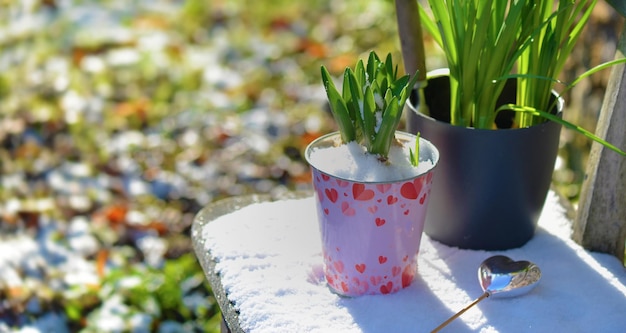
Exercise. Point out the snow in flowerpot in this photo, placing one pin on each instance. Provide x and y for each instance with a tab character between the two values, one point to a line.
371	214
372	183
492	184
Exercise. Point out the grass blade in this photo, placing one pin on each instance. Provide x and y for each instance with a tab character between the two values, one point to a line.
563	122
338	108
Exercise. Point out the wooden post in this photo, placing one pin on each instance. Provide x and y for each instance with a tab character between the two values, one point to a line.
600	224
411	40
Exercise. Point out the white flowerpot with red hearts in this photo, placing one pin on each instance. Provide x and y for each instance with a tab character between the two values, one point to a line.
371	214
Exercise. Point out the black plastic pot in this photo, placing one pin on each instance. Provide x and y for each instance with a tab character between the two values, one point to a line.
491	184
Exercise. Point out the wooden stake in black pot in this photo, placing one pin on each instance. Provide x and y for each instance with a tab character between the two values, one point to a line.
412	44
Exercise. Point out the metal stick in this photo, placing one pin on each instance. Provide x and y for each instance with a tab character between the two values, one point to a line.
458	314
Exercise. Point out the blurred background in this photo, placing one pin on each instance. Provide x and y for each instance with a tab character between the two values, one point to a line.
120	119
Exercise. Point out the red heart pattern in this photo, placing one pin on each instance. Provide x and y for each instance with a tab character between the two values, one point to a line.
331	194
342	183
360	193
338	266
407	275
423	199
376	280
389	208
391	200
408	191
411	190
382	188
386	288
347	210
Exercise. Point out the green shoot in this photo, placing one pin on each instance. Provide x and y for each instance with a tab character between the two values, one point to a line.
415	153
369	108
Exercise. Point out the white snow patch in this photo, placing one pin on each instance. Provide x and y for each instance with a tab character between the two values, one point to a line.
350	161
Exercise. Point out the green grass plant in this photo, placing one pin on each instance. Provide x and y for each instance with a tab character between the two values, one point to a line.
485	41
481	41
541	63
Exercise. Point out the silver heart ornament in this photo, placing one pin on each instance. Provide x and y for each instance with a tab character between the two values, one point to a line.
502	276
